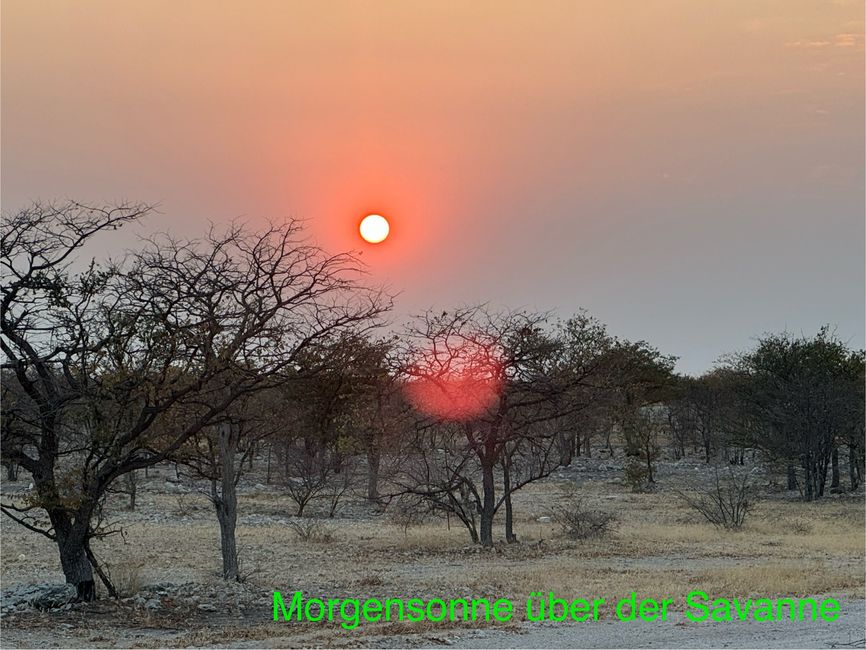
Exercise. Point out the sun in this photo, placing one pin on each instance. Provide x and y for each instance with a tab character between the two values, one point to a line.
374	228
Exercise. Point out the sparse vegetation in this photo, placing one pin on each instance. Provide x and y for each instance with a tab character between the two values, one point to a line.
637	475
461	423
577	521
310	530
126	577
726	501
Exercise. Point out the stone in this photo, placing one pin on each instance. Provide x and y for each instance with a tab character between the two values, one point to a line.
53	596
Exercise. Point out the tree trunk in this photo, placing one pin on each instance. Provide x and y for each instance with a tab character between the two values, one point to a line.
71	535
268	475
792	477
566	448
807	465
470	526
822	464
489	503
648	452
374	458
76	566
226	502
227	517
510	537
834	481
131	488
853	469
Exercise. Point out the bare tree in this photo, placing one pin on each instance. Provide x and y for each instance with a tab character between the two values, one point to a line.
110	355
218	453
487	383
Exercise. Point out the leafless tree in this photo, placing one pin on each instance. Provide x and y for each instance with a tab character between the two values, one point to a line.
490	384
218	453
123	363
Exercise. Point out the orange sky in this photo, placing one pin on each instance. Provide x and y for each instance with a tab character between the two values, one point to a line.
691	172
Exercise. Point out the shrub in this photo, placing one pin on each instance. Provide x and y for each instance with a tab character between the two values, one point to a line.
637	475
184	507
800	526
408	512
579	522
125	577
310	530
726	502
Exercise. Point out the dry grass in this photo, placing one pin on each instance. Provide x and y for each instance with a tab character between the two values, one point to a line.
659	550
125	576
779	579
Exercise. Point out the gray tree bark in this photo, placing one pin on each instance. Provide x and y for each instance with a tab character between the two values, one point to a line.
71	542
488	504
225	500
510	537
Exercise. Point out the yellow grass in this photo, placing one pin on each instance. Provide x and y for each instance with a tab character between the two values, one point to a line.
658	549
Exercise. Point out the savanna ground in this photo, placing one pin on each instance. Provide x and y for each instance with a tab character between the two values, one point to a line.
167	563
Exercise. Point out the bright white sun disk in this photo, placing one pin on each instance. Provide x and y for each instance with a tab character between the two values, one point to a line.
374	228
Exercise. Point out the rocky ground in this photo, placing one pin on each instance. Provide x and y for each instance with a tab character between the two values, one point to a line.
167	566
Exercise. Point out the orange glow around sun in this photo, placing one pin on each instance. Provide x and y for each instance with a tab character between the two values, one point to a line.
374	228
457	383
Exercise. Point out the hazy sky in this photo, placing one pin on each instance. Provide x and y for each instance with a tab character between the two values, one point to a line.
692	172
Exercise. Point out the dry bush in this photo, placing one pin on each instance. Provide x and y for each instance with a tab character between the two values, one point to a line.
125	577
580	522
310	530
800	526
184	505
726	501
408	512
371	580
637	475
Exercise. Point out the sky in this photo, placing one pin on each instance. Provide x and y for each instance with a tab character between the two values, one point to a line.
692	173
